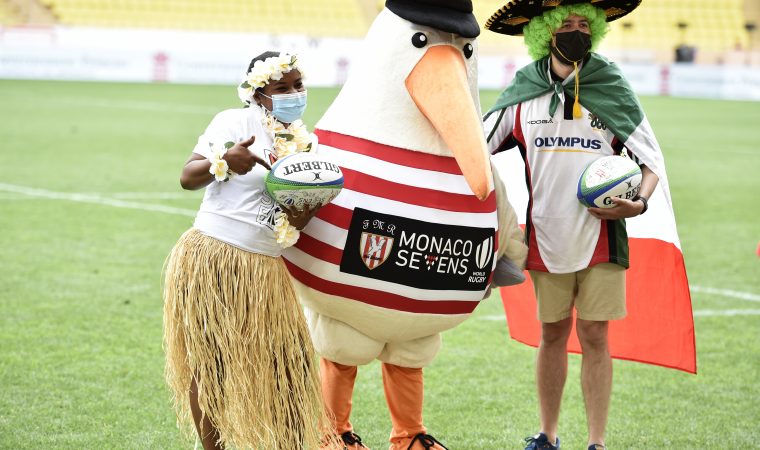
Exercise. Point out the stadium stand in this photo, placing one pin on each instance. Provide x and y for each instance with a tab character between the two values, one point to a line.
10	14
310	17
705	24
24	12
709	26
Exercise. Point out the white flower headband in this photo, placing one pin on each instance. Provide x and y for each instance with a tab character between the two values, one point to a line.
262	71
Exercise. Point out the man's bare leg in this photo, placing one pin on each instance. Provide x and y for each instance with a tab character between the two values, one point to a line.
596	376
551	373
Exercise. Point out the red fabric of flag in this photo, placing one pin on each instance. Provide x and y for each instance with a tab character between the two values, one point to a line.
659	327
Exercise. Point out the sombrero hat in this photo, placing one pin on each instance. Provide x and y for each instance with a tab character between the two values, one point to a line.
512	17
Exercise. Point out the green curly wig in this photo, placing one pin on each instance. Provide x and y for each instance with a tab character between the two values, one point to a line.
538	32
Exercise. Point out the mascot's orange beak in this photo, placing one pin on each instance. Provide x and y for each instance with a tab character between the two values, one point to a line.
438	85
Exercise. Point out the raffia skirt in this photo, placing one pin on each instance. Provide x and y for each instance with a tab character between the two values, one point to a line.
232	321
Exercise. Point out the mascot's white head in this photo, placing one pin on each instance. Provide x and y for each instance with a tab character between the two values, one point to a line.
415	86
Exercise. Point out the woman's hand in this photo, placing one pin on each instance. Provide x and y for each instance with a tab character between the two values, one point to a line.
300	217
241	160
196	175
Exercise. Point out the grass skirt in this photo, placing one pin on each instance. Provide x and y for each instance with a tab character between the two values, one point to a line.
232	321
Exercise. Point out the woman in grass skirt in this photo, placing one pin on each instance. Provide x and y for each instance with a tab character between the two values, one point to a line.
239	358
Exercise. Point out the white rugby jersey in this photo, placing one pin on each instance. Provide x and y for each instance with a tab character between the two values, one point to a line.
239	211
562	236
405	233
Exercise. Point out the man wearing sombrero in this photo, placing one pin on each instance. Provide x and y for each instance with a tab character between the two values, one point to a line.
566	109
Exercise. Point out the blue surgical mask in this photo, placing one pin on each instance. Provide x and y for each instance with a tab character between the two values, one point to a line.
287	108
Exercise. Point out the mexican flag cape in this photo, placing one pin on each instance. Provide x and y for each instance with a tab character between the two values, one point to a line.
659	327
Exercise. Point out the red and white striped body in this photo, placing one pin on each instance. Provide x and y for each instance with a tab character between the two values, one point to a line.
406	250
405	238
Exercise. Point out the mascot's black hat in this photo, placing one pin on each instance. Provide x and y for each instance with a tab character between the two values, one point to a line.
512	17
453	16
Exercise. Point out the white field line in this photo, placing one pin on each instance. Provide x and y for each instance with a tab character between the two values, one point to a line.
726	312
120	195
697	313
141	106
109	201
156	195
15	197
703	312
96	199
726	293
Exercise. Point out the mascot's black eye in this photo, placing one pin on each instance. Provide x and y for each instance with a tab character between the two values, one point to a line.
419	40
467	50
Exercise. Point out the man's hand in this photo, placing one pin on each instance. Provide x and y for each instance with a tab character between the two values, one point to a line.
241	160
623	209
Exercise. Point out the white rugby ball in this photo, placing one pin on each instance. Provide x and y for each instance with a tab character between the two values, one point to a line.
608	177
304	179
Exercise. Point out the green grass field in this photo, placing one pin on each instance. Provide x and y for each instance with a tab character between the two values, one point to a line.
90	205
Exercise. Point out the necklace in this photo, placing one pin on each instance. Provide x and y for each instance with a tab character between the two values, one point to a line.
286	141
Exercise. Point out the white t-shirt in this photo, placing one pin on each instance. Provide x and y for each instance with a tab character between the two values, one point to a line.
564	237
239	211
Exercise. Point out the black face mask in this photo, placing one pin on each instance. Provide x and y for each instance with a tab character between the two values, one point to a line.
571	46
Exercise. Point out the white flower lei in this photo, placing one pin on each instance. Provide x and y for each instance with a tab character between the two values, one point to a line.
286	234
263	71
219	167
285	142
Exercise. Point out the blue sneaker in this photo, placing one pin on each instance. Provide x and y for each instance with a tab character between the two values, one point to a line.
597	447
540	441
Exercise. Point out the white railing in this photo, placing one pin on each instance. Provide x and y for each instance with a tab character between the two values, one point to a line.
90	54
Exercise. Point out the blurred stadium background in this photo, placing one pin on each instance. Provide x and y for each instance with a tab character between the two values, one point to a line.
698	48
101	101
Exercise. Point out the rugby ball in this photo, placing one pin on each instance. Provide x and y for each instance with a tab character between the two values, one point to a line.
304	179
608	177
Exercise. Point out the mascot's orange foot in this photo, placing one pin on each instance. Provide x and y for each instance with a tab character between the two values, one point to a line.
346	441
420	441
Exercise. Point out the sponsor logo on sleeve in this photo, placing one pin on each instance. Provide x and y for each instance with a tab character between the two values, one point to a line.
596	123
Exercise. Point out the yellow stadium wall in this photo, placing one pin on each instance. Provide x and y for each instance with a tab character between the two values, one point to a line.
651	33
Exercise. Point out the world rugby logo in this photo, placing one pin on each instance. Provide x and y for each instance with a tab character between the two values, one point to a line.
483	253
374	249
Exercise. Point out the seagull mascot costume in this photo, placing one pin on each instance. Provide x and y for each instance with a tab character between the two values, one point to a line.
410	246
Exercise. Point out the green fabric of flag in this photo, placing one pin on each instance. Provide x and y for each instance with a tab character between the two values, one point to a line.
603	91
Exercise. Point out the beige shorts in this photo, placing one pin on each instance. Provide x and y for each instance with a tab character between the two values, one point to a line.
597	293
